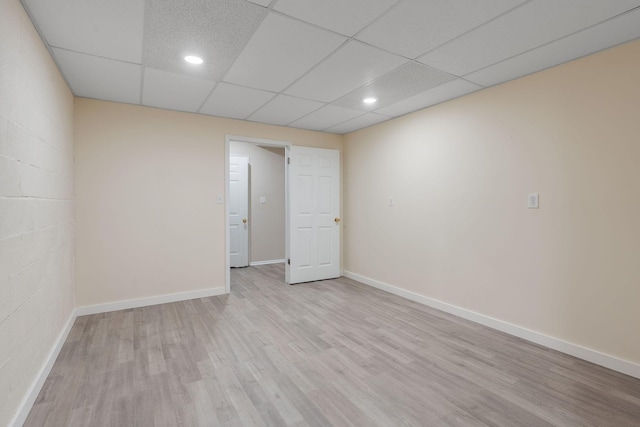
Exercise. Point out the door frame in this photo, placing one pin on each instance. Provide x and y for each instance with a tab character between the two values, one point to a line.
227	153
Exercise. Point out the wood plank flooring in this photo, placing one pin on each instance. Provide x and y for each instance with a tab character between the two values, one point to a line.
326	353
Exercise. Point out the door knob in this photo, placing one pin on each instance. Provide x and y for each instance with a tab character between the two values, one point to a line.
244	220
336	219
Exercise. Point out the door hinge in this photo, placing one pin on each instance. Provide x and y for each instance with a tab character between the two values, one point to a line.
289	261
288	160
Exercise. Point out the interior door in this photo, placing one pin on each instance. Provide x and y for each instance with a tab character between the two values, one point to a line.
314	214
239	211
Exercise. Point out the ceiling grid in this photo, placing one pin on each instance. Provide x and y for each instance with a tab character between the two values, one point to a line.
308	63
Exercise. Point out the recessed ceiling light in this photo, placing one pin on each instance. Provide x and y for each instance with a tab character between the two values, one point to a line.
196	60
369	100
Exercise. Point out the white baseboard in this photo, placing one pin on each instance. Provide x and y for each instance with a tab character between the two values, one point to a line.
590	355
32	394
269	261
143	302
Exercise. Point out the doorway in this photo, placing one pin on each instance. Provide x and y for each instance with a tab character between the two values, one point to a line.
256	204
266	200
312	224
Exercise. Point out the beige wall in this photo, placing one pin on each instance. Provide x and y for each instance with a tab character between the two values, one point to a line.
460	231
147	179
36	206
267	220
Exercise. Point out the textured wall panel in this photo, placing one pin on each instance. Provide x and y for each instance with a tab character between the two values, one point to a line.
36	206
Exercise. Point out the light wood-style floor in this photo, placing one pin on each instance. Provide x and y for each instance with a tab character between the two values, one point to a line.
326	353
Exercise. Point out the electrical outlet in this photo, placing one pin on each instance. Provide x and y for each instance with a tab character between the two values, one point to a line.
533	200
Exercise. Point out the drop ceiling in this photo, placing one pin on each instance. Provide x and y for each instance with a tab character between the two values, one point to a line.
309	63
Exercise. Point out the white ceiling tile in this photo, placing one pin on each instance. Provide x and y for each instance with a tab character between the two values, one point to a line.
264	3
279	52
343	16
325	117
408	80
214	30
277	61
352	66
233	101
174	91
535	23
610	33
100	78
112	29
284	109
366	120
444	92
414	27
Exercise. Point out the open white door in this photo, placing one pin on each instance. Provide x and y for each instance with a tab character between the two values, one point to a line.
239	211
314	214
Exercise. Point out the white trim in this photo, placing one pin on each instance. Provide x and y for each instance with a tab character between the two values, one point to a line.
143	302
30	397
269	261
287	218
227	236
590	355
258	141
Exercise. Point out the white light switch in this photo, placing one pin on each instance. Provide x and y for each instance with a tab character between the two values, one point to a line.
263	199
219	199
391	201
532	201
